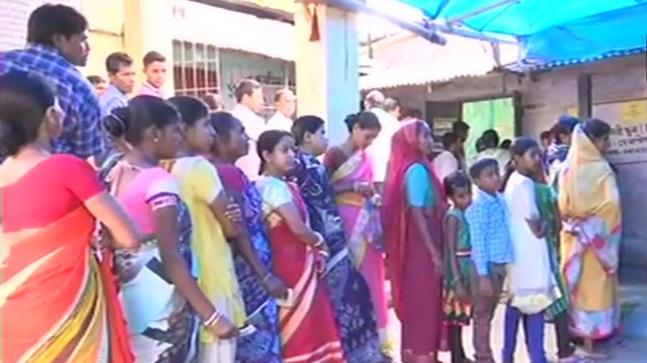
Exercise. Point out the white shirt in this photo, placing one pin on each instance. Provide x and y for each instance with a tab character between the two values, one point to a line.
379	151
530	281
254	126
280	122
445	164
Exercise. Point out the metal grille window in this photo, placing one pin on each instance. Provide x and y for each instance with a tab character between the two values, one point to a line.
195	68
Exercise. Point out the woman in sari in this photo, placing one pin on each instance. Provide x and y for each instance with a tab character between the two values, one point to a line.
557	313
413	212
358	203
589	202
59	302
349	293
159	293
252	254
308	330
202	191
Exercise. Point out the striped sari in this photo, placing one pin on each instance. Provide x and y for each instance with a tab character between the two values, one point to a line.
57	303
308	330
590	202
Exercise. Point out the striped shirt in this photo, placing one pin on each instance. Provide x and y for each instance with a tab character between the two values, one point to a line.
82	134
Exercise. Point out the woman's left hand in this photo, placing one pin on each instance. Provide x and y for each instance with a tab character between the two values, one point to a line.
275	287
233	212
320	262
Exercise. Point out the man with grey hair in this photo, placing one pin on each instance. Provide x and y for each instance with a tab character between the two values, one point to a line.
249	103
373	100
392	106
286	106
380	150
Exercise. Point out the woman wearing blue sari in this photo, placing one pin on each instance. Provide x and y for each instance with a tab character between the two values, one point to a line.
252	254
349	293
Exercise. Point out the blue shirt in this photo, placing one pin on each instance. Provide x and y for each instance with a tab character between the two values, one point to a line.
82	134
487	218
111	99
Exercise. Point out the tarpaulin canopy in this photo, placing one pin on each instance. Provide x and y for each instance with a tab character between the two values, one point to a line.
550	31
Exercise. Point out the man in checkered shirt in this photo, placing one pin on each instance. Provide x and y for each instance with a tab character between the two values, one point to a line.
57	42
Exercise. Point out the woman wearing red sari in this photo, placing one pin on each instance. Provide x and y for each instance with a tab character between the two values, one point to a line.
58	303
414	206
306	321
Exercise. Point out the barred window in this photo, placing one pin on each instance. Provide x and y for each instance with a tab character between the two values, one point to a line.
195	68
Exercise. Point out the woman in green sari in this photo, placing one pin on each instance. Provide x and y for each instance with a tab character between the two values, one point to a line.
558	311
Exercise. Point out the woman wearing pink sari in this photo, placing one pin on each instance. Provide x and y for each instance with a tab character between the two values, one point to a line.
351	176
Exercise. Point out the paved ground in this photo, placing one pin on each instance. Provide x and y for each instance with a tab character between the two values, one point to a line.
631	349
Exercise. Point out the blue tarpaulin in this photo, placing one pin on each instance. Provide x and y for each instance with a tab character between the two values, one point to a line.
551	31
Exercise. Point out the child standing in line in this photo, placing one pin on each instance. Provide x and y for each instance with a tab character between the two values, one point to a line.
458	263
531	281
487	218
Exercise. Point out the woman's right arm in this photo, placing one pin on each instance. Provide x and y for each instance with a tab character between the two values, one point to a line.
420	219
167	231
123	230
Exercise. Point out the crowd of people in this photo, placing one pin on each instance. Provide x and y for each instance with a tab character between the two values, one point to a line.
167	232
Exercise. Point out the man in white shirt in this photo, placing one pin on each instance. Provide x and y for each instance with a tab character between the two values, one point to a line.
490	140
249	98
446	162
380	150
286	106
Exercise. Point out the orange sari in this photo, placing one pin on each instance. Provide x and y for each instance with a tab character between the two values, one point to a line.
58	303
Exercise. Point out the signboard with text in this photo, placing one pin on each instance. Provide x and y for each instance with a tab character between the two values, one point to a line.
628	122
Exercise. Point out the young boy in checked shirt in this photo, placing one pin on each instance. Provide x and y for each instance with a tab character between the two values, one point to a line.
487	218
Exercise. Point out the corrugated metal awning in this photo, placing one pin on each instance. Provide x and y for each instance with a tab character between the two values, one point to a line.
410	60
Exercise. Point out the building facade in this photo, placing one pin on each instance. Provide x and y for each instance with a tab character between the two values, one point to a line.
208	48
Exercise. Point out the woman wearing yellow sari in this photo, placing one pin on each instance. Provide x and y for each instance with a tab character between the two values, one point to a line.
590	206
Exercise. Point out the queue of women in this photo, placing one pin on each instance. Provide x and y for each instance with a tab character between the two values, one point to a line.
169	253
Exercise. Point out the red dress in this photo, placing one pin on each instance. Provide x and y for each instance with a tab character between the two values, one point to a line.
416	285
308	329
60	304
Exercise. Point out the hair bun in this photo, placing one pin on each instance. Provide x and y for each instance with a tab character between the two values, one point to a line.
11	138
351	120
117	122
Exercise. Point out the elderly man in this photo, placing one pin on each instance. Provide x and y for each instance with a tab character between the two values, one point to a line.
249	98
286	106
57	42
380	150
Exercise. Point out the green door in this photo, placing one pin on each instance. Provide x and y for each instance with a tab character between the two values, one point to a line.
498	114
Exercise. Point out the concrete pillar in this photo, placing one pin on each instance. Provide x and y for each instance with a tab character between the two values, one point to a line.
145	29
327	70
